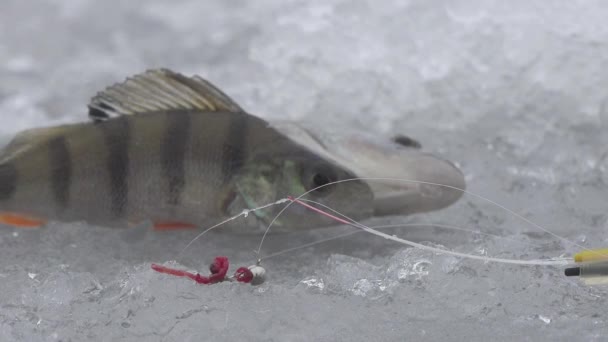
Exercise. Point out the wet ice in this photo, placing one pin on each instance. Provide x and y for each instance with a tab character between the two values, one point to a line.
513	92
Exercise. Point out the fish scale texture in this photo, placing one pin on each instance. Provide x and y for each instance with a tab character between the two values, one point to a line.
513	92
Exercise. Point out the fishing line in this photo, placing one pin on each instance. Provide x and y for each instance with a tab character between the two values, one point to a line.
348	221
416	182
439	225
589	271
398	225
244	213
387	226
541	262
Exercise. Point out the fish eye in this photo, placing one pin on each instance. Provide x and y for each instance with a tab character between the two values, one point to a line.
319	178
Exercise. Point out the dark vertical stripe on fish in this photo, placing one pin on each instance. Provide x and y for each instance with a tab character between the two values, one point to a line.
117	133
234	148
61	171
8	181
173	154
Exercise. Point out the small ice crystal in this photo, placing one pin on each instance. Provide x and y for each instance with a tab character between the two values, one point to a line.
482	251
547	320
314	282
32	275
362	287
418	270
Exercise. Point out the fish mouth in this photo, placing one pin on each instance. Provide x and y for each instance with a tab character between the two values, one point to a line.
428	183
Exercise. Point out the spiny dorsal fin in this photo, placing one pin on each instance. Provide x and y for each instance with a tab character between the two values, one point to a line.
157	90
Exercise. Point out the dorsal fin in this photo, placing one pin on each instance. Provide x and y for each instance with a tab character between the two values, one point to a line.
157	90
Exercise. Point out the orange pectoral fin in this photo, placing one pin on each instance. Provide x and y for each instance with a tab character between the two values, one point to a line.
173	225
20	221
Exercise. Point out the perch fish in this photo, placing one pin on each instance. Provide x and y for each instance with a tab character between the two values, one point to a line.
177	152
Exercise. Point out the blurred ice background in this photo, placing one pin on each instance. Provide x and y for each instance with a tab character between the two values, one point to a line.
514	92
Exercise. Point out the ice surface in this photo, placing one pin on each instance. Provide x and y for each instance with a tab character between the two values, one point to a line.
514	92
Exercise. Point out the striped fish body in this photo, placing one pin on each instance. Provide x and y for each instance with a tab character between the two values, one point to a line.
185	163
162	166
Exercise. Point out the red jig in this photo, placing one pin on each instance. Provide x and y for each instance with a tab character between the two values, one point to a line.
219	268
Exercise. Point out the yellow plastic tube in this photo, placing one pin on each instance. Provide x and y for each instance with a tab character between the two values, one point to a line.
591	255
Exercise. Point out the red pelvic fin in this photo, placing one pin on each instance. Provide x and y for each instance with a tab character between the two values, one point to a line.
20	221
173	225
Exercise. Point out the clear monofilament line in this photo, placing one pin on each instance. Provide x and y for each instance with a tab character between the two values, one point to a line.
439	225
243	213
537	226
402	225
548	262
